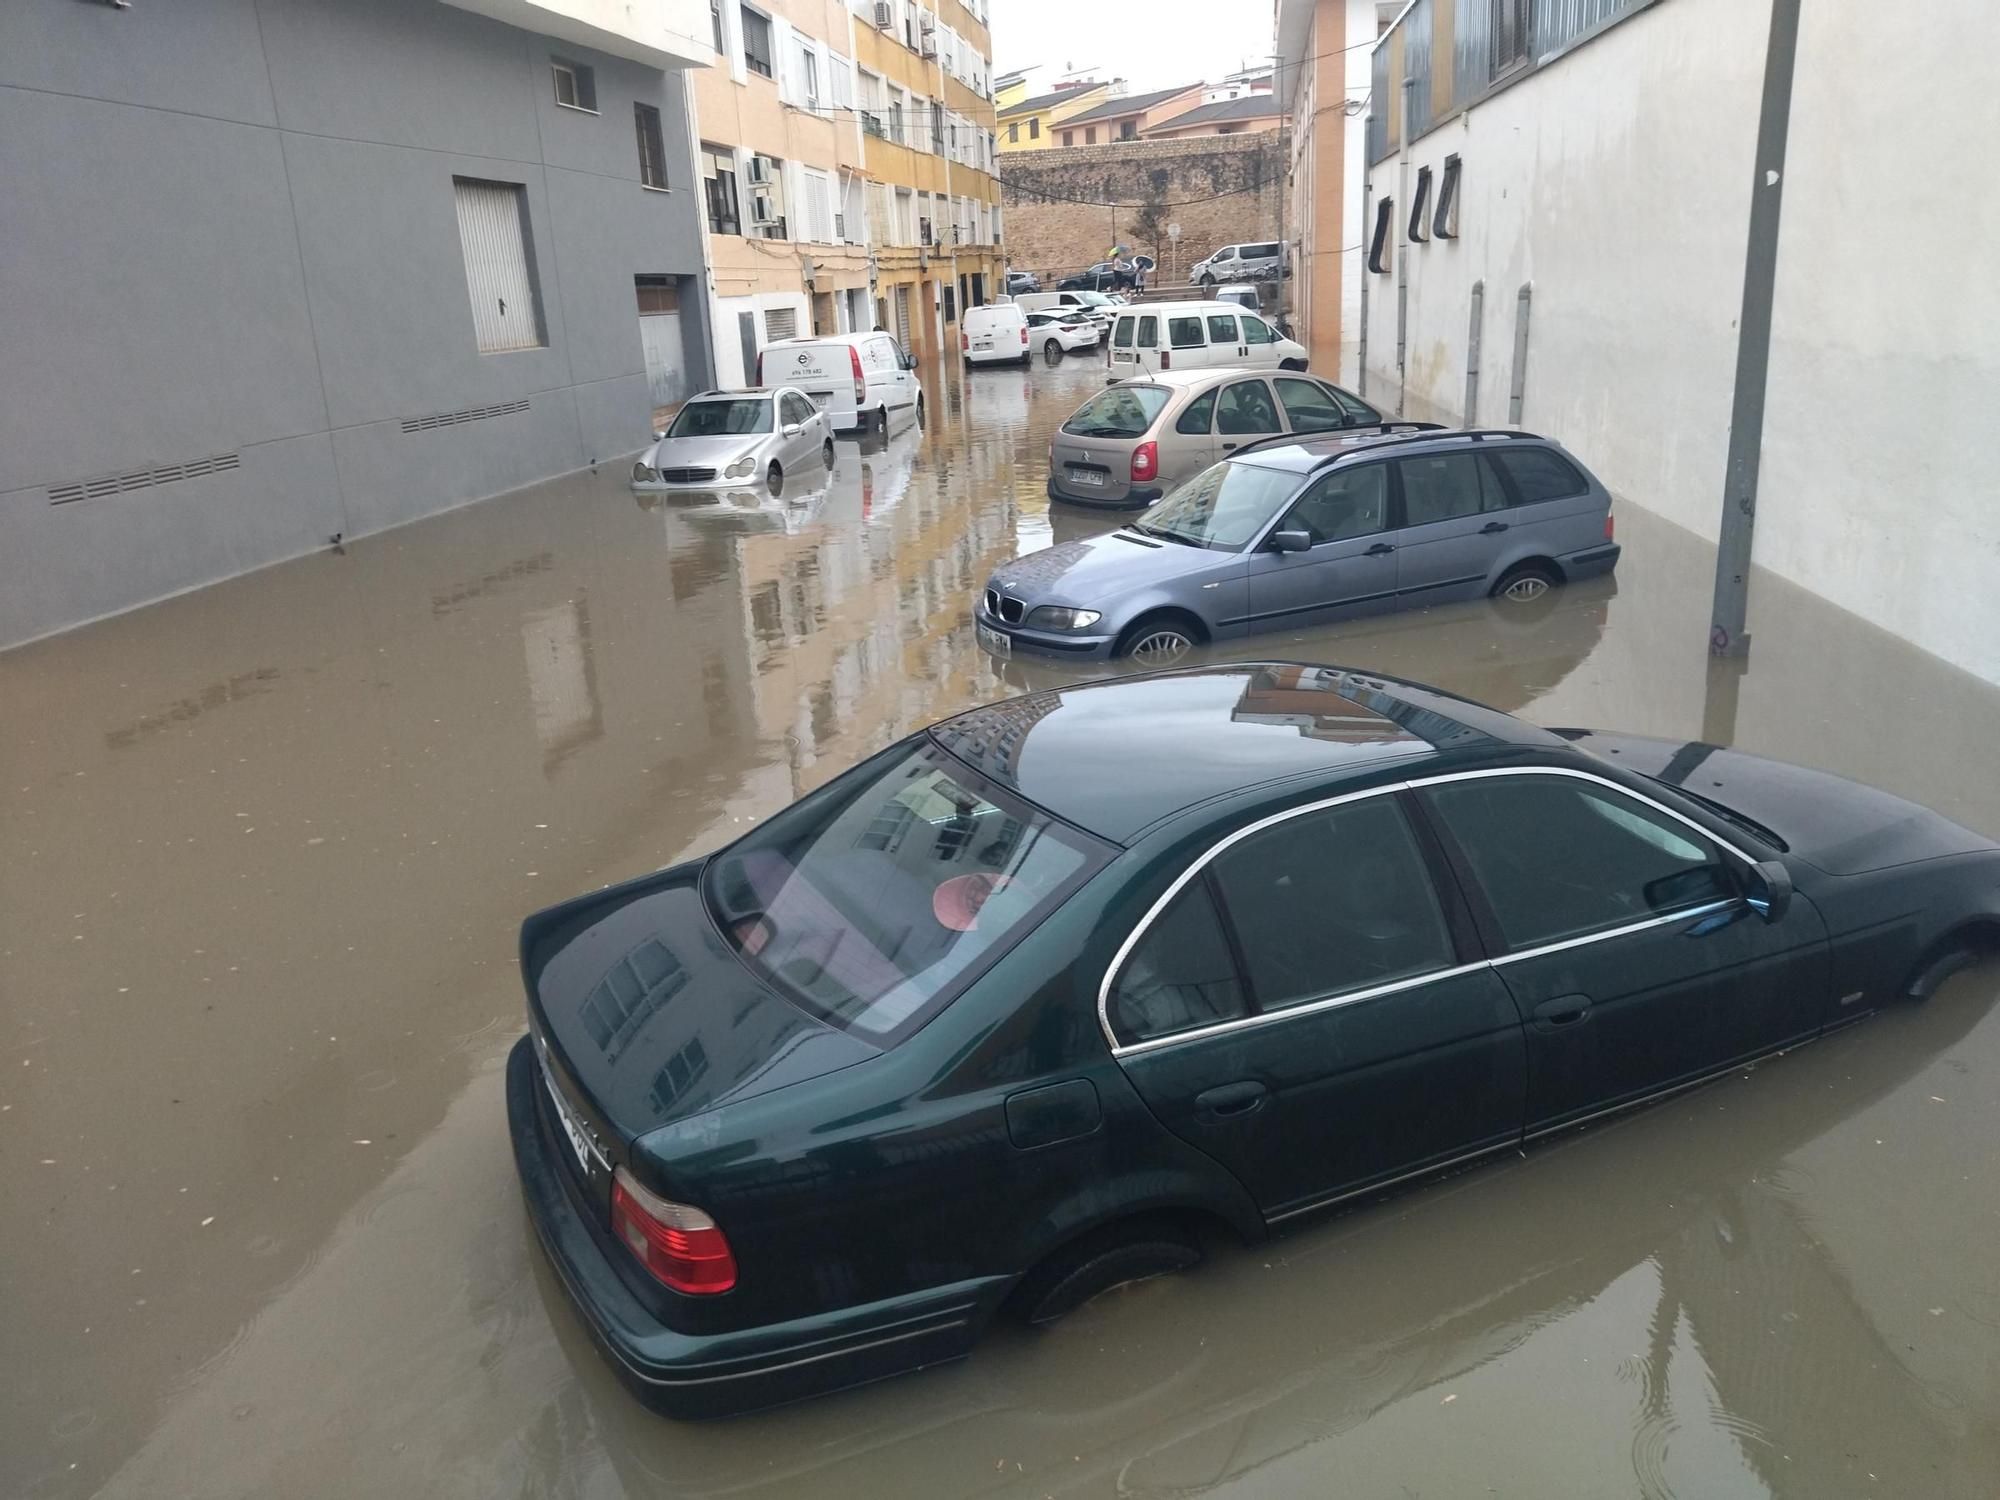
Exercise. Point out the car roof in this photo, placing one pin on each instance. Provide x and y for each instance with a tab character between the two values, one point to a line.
1303	455
1230	728
1190	304
1182	380
828	338
738	394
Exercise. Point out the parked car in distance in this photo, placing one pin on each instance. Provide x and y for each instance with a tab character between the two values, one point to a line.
1105	276
1022	281
1057	334
995	333
1094	305
1243	294
1310	530
862	381
1198	335
724	438
1253	261
1008	1016
1135	440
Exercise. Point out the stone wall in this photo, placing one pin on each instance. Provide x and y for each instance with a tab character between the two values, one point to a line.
1220	189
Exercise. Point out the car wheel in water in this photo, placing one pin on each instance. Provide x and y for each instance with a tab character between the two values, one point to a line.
1158	643
1116	1257
1526	584
920	416
775	478
882	421
1052	351
826	453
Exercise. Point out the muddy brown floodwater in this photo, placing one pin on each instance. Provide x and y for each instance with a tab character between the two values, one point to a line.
265	850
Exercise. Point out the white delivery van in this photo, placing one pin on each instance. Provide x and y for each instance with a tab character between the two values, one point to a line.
862	381
1153	336
994	333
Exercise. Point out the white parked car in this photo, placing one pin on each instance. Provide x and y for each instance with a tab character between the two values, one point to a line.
996	333
862	381
722	439
1060	333
1158	336
1243	294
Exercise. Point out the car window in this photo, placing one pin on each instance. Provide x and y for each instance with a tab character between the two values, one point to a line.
1122	411
1359	412
722	418
796	409
1447	486
1227	252
1539	474
1559	857
1199	416
873	897
1257	331
1149	332
1344	504
1221	328
1185	333
1246	407
1332	901
1259	252
1121	337
1222	507
1309	406
1038	320
1180	975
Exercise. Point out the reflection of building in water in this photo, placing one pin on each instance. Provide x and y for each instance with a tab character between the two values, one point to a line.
562	679
1317	700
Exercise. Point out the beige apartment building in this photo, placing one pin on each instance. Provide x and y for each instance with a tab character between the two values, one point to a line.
846	154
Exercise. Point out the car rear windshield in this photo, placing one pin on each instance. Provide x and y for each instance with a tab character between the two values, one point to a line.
722	418
875	899
1124	411
1222	507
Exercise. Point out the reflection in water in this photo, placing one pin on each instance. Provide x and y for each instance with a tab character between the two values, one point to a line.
259	967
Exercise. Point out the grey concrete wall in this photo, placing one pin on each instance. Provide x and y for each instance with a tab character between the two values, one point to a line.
231	230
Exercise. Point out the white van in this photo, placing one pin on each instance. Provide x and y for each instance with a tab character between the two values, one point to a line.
1154	336
995	333
862	381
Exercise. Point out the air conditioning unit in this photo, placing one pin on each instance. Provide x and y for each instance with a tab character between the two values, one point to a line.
763	209
760	168
928	45
885	16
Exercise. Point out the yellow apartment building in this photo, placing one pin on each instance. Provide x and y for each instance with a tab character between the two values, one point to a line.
1031	124
846	153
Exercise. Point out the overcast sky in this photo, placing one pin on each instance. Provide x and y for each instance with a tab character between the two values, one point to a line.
1152	44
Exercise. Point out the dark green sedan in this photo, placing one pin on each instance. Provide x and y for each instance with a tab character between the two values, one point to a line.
1028	1004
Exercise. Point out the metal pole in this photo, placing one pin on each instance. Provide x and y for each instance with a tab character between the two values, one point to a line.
1727	635
1403	253
1523	305
1367	219
1472	354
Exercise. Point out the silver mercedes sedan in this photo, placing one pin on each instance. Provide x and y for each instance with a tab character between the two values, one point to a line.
721	438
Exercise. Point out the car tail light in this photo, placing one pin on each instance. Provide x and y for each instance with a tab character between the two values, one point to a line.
759	379
1166	360
679	1246
860	380
964	341
1145	461
1609	535
1024	333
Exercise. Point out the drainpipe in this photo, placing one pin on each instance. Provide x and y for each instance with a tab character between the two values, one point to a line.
1472	354
1403	253
1523	304
1367	220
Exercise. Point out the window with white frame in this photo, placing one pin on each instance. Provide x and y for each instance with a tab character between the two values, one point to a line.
881	227
804	80
815	206
905	228
756	41
576	85
851	223
839	81
765	188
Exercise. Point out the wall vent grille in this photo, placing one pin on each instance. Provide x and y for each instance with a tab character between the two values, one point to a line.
470	414
141	479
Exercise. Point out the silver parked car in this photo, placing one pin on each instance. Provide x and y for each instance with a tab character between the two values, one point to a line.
1132	442
754	436
1303	532
1251	262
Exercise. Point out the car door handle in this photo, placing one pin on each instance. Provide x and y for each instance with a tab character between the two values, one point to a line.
1227	446
1380	549
1561	1012
1493	528
1231	1098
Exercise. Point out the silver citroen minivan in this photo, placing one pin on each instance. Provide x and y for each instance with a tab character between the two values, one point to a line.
1133	441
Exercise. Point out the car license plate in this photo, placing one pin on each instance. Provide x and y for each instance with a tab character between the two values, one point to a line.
994	641
578	1141
820	398
1086	476
1123	359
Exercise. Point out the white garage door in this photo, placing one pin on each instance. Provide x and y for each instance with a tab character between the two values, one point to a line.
499	268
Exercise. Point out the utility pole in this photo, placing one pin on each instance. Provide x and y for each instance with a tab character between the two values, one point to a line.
1727	632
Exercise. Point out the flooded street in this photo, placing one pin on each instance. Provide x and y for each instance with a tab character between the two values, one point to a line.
268	846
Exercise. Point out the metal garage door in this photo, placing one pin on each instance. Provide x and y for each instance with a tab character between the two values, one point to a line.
499	265
660	338
903	316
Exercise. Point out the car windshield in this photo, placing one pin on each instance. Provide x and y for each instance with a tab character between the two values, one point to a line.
872	900
1222	507
1124	411
723	418
1095	299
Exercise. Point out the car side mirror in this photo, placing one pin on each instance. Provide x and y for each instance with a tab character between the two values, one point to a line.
793	429
1291	541
1768	889
659	437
